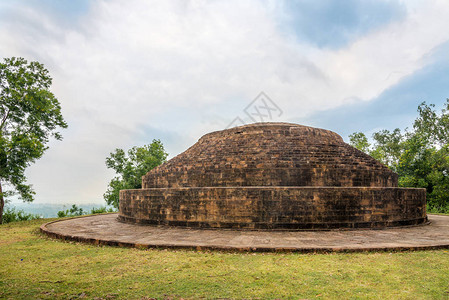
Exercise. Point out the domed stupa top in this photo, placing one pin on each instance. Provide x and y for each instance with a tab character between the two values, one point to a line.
271	154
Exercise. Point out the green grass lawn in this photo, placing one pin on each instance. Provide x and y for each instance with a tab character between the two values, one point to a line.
34	266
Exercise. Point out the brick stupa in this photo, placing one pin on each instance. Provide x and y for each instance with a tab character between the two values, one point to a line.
276	176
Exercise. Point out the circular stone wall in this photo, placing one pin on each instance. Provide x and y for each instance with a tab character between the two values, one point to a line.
273	176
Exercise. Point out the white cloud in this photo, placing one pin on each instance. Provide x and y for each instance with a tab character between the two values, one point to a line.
128	69
379	60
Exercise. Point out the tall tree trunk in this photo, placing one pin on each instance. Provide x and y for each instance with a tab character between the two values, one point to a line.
2	203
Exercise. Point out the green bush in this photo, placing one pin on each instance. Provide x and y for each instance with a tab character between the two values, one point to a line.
431	208
71	212
78	211
13	215
101	210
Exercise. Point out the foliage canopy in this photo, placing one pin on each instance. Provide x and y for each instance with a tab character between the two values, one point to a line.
29	114
131	168
420	155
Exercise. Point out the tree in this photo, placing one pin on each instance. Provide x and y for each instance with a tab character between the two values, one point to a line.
420	156
29	114
359	141
131	168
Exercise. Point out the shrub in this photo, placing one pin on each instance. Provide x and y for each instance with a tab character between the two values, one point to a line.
78	211
71	212
13	215
101	210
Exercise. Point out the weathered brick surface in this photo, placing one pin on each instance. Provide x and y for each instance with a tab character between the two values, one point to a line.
270	154
275	207
273	176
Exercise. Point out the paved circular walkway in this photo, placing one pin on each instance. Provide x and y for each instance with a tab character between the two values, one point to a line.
106	230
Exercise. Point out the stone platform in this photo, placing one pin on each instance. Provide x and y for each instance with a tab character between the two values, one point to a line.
107	230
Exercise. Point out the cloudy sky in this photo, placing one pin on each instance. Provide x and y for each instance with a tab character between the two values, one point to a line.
128	72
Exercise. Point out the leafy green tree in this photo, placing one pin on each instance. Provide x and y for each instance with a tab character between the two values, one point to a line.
420	156
387	147
131	168
29	114
359	141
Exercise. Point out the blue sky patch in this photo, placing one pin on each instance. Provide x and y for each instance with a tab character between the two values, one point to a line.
334	24
65	12
67	8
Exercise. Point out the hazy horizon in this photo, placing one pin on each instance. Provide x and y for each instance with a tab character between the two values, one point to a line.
49	210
